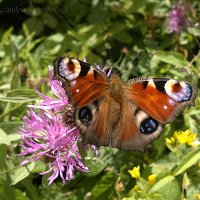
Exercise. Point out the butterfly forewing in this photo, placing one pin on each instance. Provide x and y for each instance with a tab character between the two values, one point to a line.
162	99
83	84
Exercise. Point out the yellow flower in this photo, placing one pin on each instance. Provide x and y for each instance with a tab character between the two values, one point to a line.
136	188
185	137
170	140
135	172
197	196
152	179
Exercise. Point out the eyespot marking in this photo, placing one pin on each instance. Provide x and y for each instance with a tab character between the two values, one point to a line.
84	116
178	91
69	68
148	125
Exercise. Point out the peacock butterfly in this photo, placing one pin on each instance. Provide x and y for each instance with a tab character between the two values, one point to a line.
125	115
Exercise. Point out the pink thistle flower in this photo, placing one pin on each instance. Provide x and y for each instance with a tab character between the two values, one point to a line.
50	103
45	136
177	18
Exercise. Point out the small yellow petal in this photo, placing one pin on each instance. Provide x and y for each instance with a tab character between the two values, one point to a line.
135	172
172	140
152	179
168	141
185	137
136	188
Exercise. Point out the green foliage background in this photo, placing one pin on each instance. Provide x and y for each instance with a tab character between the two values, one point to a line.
34	33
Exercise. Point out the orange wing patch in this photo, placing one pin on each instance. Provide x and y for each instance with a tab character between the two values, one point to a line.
83	84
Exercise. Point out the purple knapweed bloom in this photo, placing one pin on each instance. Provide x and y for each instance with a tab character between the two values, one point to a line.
46	137
178	18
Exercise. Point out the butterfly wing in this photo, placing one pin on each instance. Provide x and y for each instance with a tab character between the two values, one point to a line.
162	99
136	129
83	84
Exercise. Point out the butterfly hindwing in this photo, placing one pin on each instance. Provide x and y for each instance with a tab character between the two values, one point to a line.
125	127
83	84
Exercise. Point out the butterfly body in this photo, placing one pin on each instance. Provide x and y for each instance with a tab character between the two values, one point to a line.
109	112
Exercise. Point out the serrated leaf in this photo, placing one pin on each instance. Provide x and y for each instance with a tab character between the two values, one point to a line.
4	139
21	173
189	160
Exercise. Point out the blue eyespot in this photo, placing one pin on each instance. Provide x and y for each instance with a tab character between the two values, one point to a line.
85	115
148	125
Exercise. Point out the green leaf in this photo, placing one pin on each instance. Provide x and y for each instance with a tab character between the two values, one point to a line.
195	31
34	25
45	181
52	45
105	187
3	154
4	139
189	160
14	137
49	20
170	57
10	127
21	173
20	195
98	15
6	35
25	29
96	165
22	93
167	188
186	181
16	99
15	79
165	164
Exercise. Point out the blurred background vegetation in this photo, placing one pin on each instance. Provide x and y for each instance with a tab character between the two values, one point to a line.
33	33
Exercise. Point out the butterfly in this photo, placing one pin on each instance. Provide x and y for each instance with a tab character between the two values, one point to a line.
126	115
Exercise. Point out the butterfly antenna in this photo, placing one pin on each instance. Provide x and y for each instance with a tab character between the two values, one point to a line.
109	48
137	55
